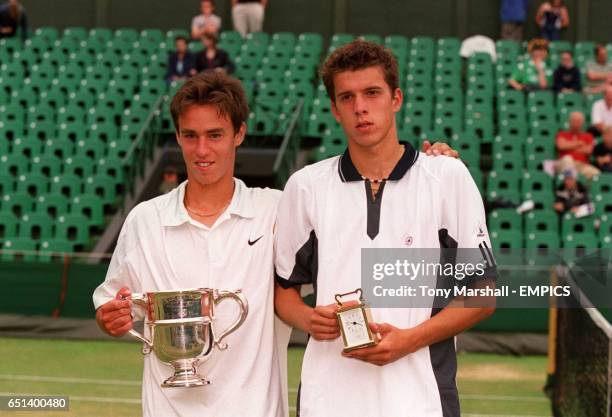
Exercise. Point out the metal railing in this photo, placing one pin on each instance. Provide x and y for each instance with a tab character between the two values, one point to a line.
141	151
290	146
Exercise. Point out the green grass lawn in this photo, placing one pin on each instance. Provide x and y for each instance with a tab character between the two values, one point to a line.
102	379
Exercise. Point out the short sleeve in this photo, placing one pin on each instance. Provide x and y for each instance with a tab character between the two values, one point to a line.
295	242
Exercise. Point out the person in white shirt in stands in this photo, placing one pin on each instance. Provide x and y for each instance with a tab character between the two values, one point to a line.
206	22
381	193
601	113
211	231
598	71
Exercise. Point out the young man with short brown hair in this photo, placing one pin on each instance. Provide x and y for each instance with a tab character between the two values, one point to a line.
381	193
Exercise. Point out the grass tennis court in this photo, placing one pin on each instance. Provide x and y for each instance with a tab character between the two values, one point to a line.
102	379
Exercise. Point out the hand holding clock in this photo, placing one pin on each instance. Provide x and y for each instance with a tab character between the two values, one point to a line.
394	344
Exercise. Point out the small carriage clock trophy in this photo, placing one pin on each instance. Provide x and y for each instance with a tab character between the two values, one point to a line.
354	321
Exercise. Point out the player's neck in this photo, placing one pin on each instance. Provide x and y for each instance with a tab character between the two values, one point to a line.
205	203
376	162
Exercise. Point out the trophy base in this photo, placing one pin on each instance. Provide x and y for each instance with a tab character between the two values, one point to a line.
185	381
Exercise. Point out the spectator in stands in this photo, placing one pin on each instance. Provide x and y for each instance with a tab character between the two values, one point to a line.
206	22
599	71
601	113
552	16
532	74
13	17
603	151
513	14
169	180
575	147
248	15
213	58
181	63
571	194
566	78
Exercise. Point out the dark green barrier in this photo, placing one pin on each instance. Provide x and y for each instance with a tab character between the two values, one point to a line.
528	320
82	281
30	288
49	289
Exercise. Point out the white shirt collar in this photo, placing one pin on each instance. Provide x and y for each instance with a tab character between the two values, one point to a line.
175	213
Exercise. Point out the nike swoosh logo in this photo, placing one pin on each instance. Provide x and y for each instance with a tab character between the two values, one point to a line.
252	242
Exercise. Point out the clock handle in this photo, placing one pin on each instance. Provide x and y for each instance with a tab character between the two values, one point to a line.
358	291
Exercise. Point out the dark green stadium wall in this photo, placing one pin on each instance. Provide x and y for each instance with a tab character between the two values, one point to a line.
589	18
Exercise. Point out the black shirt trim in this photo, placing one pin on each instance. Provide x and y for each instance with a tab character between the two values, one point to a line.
348	172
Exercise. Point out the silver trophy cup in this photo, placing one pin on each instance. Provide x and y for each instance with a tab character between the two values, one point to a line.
183	334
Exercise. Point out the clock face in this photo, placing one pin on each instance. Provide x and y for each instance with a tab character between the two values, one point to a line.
355	327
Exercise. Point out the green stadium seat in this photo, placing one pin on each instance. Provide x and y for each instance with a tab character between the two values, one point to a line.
51	249
14	164
48	165
603	204
508	166
507	239
10	44
9	225
464	142
77	33
53	97
91	206
32	184
19	249
53	204
581	241
81	166
11	130
67	184
119	148
17	203
128	34
72	113
26	57
503	186
36	226
570	225
508	148
340	39
313	41
90	148
505	219
152	34
556	47
12	112
50	34
74	228
605	226
539	221
25	97
7	183
55	57
536	181
103	186
40	113
172	34
602	184
42	130
542	240
26	147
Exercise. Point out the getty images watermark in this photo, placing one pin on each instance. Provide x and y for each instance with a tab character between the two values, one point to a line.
480	278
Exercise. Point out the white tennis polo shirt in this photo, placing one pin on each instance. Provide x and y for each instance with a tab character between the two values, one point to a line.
326	216
161	248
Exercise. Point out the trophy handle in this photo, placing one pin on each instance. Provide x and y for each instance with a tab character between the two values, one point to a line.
221	295
140	300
